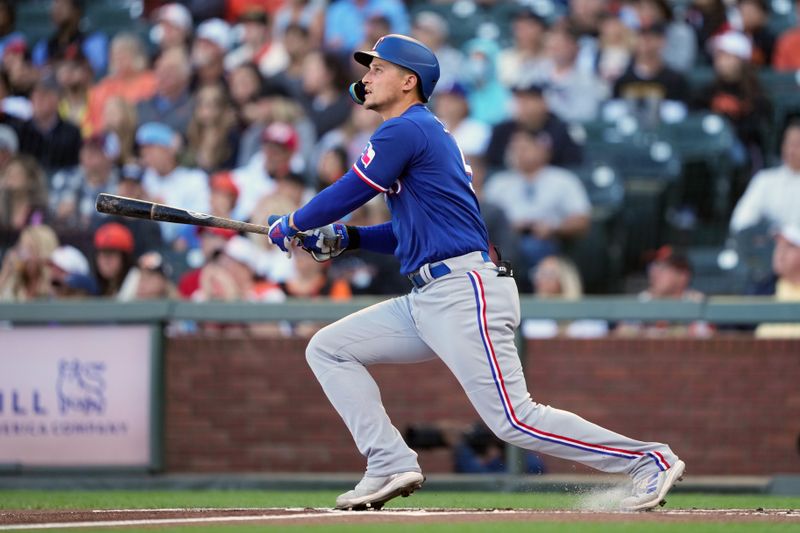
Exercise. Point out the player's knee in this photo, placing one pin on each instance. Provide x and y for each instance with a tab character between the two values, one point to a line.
319	352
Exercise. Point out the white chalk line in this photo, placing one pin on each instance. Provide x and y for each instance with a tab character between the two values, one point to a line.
331	513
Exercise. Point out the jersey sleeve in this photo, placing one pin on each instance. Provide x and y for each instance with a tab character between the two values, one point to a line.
334	202
387	153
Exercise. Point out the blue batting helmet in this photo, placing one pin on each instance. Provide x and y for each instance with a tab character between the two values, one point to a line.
408	53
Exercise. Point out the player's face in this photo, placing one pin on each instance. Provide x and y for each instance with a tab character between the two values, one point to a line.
383	83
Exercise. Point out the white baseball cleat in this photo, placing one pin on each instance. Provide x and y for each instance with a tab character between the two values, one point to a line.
650	490
374	492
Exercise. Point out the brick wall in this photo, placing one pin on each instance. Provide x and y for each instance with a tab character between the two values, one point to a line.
727	405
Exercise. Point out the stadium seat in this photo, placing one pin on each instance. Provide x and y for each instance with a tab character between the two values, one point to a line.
783	89
712	275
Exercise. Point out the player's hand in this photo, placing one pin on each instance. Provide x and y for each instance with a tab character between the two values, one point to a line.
326	242
281	233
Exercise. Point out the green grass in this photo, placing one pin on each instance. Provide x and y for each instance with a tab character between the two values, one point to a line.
124	499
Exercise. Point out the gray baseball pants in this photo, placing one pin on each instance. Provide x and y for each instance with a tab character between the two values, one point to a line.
467	319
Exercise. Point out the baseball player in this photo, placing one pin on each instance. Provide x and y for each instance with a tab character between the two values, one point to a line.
463	308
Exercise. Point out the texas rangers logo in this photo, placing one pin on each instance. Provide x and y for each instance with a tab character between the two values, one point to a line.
367	155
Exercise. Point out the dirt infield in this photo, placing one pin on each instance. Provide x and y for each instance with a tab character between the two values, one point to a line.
20	520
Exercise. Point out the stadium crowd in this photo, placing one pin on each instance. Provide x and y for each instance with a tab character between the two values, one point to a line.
240	108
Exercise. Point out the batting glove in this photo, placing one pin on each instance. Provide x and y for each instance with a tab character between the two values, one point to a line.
281	233
326	242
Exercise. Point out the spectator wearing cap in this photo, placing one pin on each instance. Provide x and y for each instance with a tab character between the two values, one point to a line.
736	93
345	21
755	15
786	266
772	193
172	103
451	106
54	143
8	19
531	112
258	46
14	108
149	279
680	48
24	274
74	75
224	194
432	30
526	52
113	245
786	56
66	16
73	191
212	40
20	73
544	204
213	132
614	48
648	80
23	194
69	274
280	145
173	27
325	95
488	98
164	180
9	145
572	93
212	241
128	78
669	277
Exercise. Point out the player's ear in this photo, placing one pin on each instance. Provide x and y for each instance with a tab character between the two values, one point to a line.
411	83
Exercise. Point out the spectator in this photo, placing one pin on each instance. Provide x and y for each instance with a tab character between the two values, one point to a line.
280	144
212	241
258	46
233	275
69	274
128	78
556	277
23	275
531	112
772	193
172	102
648	81
113	244
119	118
51	141
326	98
332	165
245	86
544	204
614	49
164	180
353	135
709	18
787	49
298	44
375	26
149	279
8	19
211	42
306	14
451	106
526	53
754	15
23	194
572	93
669	277
680	49
146	233
432	30
173	27
213	136
73	191
224	194
488	98
737	94
66	16
20	72
786	265
74	75
14	109
345	21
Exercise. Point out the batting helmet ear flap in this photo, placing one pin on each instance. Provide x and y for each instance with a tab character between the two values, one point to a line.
357	92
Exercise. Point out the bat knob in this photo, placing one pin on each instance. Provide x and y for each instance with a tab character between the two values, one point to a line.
272	219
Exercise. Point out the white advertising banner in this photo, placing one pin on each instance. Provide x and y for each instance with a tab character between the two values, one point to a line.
76	396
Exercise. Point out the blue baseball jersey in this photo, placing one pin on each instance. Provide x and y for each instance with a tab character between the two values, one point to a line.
417	164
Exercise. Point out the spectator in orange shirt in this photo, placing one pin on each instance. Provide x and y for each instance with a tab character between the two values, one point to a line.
128	78
787	50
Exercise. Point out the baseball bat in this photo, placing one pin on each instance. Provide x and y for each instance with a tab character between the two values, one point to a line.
131	207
